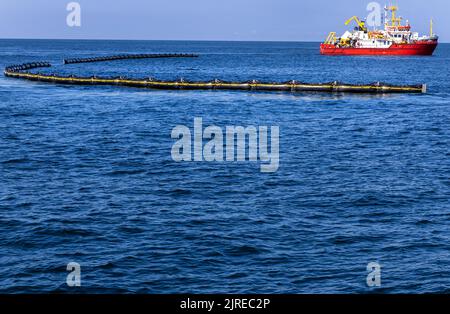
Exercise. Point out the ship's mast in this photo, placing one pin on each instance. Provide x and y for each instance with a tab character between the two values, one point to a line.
431	28
385	17
395	21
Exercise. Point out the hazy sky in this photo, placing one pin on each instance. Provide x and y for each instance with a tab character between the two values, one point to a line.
291	20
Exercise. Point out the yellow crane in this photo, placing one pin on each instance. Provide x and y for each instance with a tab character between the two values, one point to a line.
361	24
331	39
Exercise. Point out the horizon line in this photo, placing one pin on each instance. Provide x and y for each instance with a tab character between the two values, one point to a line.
122	39
198	40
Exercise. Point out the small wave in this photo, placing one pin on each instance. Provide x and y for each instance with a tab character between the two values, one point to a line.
423	222
237	275
243	250
371	200
180	192
16	161
65	232
344	239
108	265
125	172
130	229
22	114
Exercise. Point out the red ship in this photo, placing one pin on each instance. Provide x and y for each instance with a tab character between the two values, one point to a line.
395	40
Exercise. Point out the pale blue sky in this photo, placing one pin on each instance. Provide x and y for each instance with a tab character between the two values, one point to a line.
277	20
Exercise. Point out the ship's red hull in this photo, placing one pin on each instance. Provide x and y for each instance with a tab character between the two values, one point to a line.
424	48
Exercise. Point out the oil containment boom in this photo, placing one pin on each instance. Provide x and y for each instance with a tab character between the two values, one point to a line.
22	71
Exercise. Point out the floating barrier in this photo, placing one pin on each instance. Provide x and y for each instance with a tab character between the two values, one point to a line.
22	72
27	66
129	56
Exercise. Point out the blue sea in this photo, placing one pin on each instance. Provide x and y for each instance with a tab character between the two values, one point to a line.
86	174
